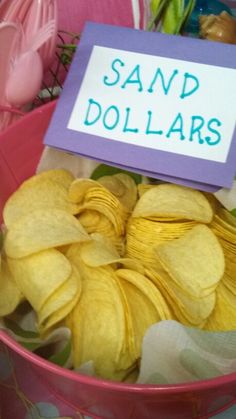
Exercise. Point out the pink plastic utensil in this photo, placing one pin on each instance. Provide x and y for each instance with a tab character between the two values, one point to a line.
40	13
25	79
14	10
42	36
9	33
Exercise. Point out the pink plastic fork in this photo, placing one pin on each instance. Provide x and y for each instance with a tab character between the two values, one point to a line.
40	13
42	36
14	10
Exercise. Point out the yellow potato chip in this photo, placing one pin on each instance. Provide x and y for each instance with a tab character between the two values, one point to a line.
99	323
39	275
43	194
42	229
147	288
61	176
223	317
194	310
167	200
145	302
61	302
95	222
228	218
114	185
152	233
223	229
79	188
99	252
90	220
103	201
144	187
123	187
57	316
10	295
195	262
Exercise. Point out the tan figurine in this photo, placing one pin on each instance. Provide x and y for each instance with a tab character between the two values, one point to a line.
221	28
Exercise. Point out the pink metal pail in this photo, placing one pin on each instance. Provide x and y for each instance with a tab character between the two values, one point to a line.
31	387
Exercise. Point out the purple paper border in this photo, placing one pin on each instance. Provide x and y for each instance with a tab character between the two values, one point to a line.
197	171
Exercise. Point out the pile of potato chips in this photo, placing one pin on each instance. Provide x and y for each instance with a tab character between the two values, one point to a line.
109	258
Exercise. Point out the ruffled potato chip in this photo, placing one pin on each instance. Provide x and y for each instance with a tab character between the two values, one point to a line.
195	262
180	202
42	229
39	275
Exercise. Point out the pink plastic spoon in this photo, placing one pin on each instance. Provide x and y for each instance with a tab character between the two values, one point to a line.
25	79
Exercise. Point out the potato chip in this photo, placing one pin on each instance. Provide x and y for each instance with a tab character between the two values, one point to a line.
99	252
43	194
103	201
145	302
223	228
123	187
195	310
229	275
195	262
61	176
127	353
90	219
152	233
61	302
229	219
42	229
168	200
39	275
223	317
144	187
114	185
95	222
10	295
99	322
79	188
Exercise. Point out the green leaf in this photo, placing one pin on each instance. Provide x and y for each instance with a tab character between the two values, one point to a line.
233	212
154	6
30	345
160	7
172	16
62	357
17	330
104	170
187	13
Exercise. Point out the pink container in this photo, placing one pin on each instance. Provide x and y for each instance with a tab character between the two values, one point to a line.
29	383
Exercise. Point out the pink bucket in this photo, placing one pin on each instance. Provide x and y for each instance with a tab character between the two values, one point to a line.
31	387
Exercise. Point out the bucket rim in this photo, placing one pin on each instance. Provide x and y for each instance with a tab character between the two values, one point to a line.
146	389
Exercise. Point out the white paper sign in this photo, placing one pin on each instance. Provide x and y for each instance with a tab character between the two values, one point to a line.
156	102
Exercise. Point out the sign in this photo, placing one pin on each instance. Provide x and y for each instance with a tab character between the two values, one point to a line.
161	105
